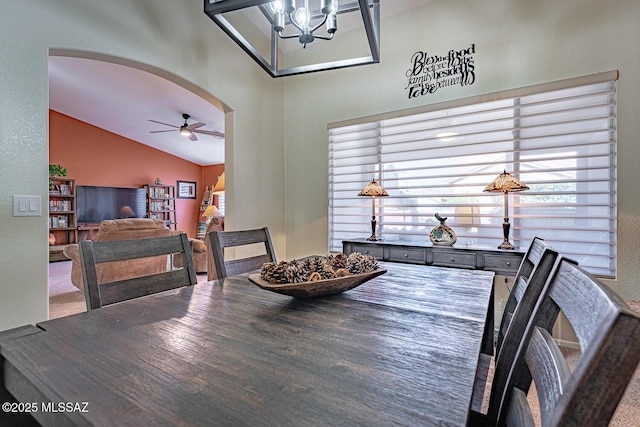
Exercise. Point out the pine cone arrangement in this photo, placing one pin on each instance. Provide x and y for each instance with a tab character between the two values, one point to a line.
318	268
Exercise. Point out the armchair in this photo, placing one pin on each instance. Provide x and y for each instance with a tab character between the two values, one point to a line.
121	229
199	248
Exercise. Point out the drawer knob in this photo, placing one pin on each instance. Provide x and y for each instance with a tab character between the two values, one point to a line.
406	255
453	259
508	263
366	252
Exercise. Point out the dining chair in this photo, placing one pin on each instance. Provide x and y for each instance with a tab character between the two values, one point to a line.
224	267
608	333
528	283
93	254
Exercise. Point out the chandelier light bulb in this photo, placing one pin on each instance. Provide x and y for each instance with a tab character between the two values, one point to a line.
302	17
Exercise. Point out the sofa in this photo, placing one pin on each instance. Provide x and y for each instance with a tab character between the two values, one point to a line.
121	229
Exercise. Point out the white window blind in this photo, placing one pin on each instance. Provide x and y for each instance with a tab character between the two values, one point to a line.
561	143
221	204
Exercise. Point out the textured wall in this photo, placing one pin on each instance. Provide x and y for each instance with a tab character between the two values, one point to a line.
183	42
518	43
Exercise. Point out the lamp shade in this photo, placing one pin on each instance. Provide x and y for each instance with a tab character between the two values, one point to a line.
373	189
219	187
505	183
211	210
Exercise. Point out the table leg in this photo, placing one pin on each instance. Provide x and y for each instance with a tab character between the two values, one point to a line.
487	339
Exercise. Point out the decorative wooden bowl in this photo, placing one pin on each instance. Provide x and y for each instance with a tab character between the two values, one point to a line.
318	288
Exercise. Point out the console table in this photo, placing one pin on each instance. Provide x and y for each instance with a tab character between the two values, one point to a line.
476	258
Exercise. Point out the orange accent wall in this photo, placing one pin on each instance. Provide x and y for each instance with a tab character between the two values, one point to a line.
94	156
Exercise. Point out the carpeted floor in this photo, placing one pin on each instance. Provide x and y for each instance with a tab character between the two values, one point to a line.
627	413
65	300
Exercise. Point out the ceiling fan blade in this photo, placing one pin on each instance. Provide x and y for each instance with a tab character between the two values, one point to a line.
159	131
211	132
166	124
195	125
193	137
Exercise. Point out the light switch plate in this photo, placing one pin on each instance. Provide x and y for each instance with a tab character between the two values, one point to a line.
27	205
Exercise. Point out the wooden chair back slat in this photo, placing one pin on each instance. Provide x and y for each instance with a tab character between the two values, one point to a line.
94	253
115	250
520	414
219	240
550	368
246	264
136	287
528	283
609	336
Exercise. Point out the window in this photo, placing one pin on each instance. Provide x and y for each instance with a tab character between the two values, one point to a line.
558	138
221	204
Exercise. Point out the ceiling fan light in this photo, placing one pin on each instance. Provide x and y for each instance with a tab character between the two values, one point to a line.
185	132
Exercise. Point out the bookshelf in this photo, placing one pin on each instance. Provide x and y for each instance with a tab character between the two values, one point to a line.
161	203
62	210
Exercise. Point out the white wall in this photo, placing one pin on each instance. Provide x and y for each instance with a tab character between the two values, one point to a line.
173	36
518	43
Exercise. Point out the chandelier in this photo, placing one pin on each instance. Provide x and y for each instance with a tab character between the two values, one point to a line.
266	29
300	18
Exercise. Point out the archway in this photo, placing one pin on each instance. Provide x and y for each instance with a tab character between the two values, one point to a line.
148	74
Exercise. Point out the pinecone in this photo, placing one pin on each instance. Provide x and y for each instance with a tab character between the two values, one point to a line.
313	265
327	271
338	261
274	273
358	263
295	273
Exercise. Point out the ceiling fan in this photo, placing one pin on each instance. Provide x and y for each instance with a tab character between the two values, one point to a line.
188	130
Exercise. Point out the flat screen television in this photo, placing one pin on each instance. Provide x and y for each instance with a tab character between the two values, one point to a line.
95	204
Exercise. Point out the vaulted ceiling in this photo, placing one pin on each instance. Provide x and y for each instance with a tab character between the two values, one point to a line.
122	100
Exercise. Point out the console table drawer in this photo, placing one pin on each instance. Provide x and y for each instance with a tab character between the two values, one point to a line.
375	251
503	263
453	259
410	255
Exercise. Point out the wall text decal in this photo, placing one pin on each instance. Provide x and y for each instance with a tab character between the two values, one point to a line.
430	73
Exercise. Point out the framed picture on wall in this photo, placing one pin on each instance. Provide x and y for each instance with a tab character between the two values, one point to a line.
186	190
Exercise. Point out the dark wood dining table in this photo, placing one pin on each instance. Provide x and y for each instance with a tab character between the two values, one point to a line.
400	349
